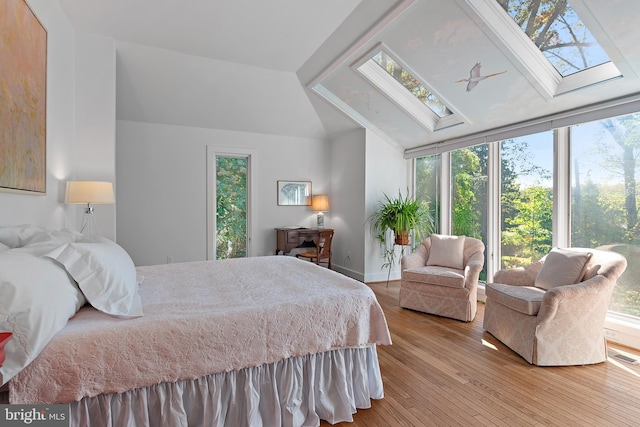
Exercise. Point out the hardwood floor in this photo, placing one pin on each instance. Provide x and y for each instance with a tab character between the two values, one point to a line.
443	372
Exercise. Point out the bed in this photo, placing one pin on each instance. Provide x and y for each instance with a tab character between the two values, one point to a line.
256	341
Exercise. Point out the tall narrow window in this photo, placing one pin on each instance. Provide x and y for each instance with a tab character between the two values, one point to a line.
231	206
526	198
469	194
604	201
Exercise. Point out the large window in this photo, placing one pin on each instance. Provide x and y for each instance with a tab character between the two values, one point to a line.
526	201
469	194
604	205
511	205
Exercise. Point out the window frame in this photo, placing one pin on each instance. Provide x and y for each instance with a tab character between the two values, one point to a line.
251	155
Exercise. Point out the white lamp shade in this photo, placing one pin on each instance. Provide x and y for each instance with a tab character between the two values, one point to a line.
89	192
320	203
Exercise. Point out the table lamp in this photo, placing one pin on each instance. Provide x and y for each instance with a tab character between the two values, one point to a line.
89	193
320	204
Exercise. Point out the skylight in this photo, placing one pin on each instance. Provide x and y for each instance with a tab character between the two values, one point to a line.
416	88
552	46
398	83
557	30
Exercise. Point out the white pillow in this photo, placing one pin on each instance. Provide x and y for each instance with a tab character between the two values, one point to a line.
66	236
4	247
17	236
562	267
447	251
38	297
105	273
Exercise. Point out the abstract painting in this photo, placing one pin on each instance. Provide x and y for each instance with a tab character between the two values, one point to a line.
23	80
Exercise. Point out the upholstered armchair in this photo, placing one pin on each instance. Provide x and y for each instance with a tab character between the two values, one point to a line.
441	276
552	312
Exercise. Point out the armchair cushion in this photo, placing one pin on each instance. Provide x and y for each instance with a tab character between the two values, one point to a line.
440	276
524	299
447	251
562	267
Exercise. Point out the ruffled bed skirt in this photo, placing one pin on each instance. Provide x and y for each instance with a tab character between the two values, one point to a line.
298	391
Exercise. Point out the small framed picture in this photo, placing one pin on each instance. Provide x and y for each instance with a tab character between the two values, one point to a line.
294	193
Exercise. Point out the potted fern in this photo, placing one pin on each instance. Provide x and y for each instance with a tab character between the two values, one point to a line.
402	215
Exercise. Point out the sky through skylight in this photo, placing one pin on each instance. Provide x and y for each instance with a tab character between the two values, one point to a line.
559	33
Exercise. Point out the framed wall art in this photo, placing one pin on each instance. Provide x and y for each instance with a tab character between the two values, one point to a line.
294	193
23	89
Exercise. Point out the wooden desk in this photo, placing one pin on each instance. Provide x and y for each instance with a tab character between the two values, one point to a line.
289	238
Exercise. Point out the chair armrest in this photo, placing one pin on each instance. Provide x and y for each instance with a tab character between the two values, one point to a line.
472	270
415	259
586	300
522	276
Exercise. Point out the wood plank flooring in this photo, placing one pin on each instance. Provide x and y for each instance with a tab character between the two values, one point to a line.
442	372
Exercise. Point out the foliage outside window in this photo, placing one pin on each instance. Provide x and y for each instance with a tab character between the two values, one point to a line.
427	186
526	199
416	88
231	207
555	28
604	203
469	194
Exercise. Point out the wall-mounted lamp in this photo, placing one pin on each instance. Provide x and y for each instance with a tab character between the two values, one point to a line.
89	193
320	204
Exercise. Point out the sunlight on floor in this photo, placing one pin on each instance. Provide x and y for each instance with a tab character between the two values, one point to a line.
631	368
488	344
622	366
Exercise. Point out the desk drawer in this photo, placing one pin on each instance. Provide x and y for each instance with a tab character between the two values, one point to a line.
293	237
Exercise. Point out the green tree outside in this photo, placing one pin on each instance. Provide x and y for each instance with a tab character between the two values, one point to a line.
231	207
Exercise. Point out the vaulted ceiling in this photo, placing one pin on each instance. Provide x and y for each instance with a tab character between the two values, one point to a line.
325	42
275	34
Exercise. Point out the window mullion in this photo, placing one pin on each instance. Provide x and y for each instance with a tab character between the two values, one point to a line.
562	188
445	194
493	249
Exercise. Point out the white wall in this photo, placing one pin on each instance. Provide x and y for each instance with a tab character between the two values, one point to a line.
162	172
347	200
94	150
386	172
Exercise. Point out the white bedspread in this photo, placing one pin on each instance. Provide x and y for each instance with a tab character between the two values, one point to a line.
202	318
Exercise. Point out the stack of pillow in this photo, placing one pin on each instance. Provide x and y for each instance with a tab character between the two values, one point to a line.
47	276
